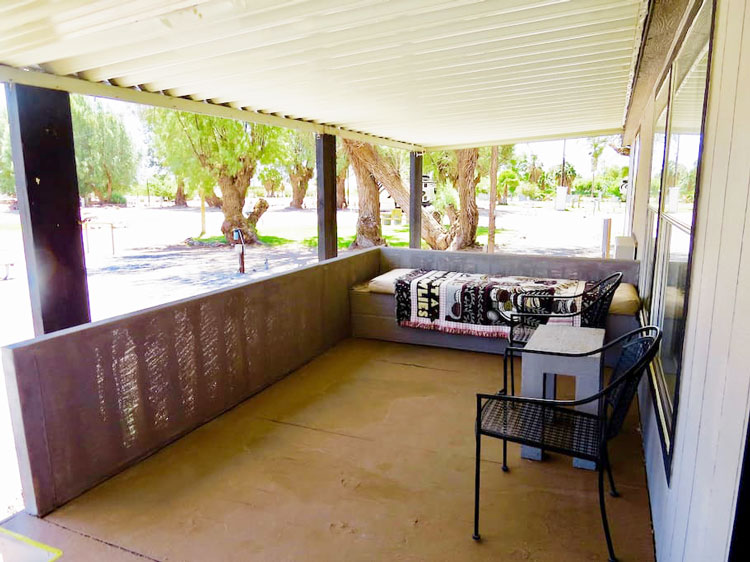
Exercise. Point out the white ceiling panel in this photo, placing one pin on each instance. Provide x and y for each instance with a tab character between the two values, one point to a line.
424	72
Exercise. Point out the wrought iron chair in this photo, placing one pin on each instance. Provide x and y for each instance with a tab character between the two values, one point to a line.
554	426
535	308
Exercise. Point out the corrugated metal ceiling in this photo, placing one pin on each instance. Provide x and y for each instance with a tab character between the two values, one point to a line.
427	72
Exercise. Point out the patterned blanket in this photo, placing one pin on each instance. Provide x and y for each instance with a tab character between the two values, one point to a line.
477	304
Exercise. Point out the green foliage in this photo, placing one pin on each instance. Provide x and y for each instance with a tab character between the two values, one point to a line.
296	149
7	180
106	159
508	179
530	190
161	184
441	165
205	150
170	151
570	175
271	175
445	195
596	148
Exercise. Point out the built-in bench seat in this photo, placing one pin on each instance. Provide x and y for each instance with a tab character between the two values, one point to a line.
373	312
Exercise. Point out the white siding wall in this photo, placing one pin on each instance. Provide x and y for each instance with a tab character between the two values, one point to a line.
693	517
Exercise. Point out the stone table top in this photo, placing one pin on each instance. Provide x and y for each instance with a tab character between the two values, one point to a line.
558	338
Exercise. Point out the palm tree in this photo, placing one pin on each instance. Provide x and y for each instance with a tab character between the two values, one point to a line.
596	146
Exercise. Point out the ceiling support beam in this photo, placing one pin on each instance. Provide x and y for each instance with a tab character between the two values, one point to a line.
78	86
41	133
415	200
325	169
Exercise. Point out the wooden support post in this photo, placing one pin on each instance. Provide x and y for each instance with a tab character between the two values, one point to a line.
606	237
41	134
325	166
493	201
415	200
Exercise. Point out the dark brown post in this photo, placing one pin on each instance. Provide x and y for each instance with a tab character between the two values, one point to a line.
41	133
415	200
325	166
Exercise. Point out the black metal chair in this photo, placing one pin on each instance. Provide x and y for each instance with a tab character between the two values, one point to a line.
553	425
535	308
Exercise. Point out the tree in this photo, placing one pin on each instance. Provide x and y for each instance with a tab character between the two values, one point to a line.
508	161
508	181
106	159
534	170
7	179
368	193
468	213
230	151
385	174
596	147
493	200
299	160
462	169
342	170
272	180
568	178
178	158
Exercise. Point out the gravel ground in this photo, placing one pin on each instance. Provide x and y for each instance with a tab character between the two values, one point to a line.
151	265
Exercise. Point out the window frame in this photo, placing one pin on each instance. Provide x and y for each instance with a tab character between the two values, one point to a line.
667	408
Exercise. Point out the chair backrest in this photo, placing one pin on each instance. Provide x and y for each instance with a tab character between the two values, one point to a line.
638	350
596	300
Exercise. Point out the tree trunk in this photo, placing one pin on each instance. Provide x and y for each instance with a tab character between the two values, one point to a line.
368	221
468	213
493	201
299	177
214	200
270	188
233	192
179	197
341	202
432	232
109	185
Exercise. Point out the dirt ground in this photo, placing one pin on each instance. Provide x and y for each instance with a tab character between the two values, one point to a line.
137	258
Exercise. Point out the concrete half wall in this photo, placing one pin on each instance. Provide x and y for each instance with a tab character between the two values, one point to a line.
89	401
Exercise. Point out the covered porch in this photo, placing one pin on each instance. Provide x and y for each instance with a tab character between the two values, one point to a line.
250	422
366	452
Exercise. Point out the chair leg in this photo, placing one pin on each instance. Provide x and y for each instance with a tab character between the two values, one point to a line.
505	456
512	375
603	510
476	536
612	490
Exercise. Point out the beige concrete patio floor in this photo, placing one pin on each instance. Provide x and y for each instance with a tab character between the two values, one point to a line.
366	453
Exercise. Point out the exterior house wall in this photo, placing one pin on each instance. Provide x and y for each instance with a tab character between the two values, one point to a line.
693	514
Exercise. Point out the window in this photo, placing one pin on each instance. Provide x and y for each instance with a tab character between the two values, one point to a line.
635	156
673	189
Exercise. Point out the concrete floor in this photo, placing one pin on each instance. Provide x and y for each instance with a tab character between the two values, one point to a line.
366	453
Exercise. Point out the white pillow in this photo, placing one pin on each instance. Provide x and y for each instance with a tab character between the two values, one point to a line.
386	283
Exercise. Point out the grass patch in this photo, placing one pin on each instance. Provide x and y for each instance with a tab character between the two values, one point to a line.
274	240
343	242
210	239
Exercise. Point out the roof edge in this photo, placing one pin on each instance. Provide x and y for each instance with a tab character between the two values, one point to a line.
71	84
550	137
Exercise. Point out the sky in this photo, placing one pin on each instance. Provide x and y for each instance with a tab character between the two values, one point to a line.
549	152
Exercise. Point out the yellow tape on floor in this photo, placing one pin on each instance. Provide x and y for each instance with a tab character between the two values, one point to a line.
17	548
